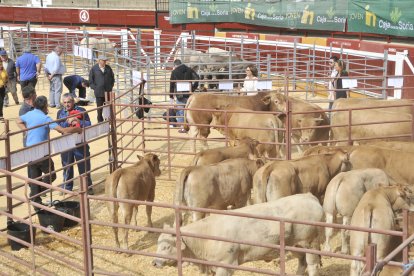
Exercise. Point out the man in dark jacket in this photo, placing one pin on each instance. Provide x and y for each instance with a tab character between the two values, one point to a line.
180	72
101	80
74	82
10	67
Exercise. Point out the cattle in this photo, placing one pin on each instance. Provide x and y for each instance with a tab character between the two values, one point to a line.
397	164
297	207
198	121
192	58
315	150
398	106
376	210
311	126
216	186
370	125
343	194
98	46
307	174
245	149
237	123
136	182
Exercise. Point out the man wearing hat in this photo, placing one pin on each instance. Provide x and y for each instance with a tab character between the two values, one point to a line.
10	67
101	80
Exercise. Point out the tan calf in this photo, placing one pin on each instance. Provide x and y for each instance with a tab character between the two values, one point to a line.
136	182
376	210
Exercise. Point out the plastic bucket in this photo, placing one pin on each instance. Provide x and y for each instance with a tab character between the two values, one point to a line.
20	231
50	220
69	207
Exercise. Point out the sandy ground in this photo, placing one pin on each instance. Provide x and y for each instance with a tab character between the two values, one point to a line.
102	236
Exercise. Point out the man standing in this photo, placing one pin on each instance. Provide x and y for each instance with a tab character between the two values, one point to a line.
180	72
102	80
29	96
54	70
28	68
38	117
10	67
74	82
81	154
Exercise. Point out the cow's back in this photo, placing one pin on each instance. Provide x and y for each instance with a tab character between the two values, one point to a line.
298	207
382	105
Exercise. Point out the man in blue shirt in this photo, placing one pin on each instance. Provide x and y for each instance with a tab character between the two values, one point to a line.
74	82
38	117
54	70
28	68
81	154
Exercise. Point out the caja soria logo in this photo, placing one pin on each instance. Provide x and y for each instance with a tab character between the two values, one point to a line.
331	13
395	15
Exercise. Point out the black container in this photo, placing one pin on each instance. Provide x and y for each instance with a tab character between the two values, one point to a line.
20	231
69	207
50	220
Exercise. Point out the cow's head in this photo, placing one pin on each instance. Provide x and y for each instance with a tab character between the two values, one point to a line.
166	245
154	162
252	145
219	118
405	197
307	124
276	101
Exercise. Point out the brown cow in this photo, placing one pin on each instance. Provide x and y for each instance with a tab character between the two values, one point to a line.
397	164
136	182
370	125
216	186
239	123
212	102
376	210
310	127
307	174
246	149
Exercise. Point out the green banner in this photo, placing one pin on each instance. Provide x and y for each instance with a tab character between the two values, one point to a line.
296	14
382	17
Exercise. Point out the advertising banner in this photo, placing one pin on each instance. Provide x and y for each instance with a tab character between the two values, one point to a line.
294	14
381	17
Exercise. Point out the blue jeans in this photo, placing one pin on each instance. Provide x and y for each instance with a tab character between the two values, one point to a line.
180	112
69	157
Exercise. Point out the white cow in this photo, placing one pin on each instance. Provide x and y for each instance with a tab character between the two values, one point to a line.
343	194
298	207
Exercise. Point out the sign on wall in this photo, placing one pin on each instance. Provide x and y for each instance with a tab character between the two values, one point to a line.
295	14
84	16
389	17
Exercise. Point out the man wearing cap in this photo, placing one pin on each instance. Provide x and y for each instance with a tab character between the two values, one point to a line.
101	80
54	70
28	68
10	67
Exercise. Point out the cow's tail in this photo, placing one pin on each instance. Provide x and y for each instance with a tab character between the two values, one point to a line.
368	220
185	125
111	185
180	187
277	135
262	185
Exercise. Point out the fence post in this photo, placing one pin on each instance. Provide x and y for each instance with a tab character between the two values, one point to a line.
370	257
8	168
86	229
406	223
384	73
112	122
282	253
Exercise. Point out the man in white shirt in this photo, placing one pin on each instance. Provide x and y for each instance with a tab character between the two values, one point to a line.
54	70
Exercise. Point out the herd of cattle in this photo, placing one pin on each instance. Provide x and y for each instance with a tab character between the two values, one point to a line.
365	184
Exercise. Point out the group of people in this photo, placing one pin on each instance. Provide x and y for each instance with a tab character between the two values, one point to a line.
34	110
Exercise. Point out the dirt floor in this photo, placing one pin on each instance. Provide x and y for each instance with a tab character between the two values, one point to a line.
103	260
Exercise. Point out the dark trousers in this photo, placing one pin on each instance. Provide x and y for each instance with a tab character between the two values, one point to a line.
69	157
35	170
68	85
2	95
25	83
100	101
